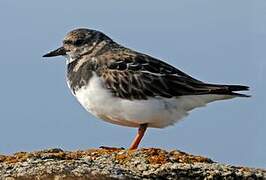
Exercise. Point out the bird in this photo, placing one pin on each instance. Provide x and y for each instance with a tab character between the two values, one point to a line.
129	88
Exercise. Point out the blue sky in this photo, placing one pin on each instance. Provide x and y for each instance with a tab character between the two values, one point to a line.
214	41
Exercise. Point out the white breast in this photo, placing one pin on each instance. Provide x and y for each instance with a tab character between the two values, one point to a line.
157	112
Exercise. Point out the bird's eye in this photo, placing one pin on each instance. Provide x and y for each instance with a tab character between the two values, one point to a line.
78	42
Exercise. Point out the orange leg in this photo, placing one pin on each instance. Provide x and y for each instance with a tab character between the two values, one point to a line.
139	136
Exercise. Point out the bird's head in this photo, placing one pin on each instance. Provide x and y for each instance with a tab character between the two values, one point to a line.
77	43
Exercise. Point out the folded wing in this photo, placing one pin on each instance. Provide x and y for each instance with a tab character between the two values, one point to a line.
141	76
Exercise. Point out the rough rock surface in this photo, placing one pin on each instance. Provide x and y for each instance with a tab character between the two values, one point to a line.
118	164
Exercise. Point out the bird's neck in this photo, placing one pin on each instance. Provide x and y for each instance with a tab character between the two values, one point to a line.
79	73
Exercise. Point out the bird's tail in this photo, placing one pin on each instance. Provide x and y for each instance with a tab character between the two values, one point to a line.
227	89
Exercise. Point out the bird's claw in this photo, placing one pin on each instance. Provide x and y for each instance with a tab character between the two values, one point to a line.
111	148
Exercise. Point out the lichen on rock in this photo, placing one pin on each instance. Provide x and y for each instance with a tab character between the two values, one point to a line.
104	164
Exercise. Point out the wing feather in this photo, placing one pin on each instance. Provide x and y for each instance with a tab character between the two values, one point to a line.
140	76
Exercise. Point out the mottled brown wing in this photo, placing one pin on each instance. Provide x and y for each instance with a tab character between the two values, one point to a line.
142	76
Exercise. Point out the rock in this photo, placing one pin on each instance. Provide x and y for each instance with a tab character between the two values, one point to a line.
120	164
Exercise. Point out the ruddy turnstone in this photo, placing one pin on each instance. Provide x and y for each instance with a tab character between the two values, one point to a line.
129	88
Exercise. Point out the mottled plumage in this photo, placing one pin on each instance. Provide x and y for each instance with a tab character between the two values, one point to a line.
129	88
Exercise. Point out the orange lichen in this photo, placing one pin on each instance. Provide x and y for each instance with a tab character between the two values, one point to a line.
124	156
2	158
152	155
156	156
18	157
158	159
183	157
121	157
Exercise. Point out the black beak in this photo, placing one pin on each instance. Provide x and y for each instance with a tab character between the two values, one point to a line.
58	52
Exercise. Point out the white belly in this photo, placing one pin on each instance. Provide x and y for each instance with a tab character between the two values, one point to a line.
158	112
